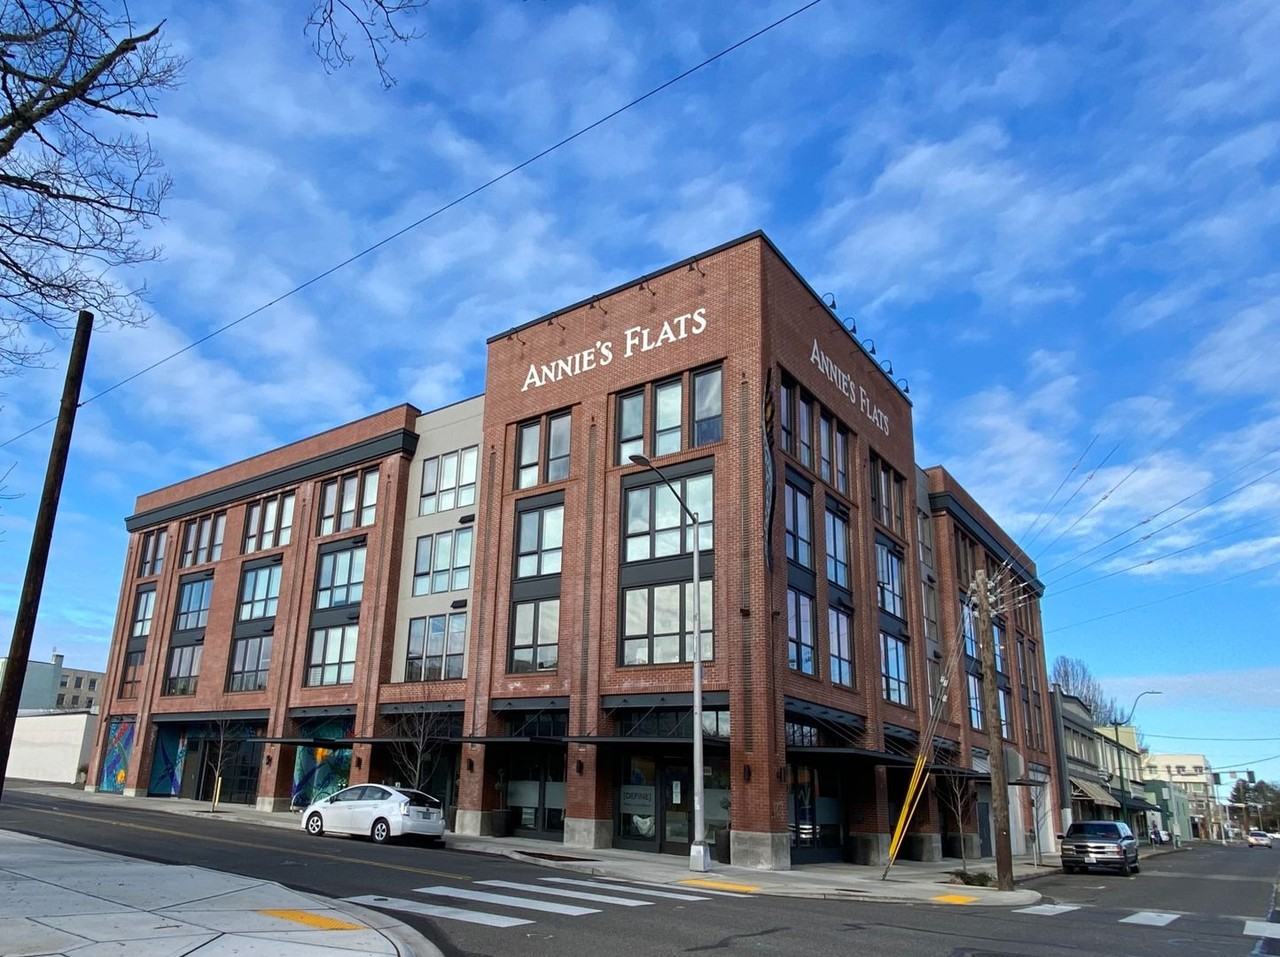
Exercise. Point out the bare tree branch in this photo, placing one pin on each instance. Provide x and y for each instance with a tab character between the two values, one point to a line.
1076	679
381	23
416	744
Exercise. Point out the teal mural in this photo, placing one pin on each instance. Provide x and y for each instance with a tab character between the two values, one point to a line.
115	755
166	762
320	771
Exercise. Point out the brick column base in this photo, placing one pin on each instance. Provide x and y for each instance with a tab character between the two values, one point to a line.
768	850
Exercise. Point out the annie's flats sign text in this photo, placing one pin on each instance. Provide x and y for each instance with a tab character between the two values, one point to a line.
634	340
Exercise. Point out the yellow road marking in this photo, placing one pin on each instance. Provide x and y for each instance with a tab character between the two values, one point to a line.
721	885
295	852
955	899
318	921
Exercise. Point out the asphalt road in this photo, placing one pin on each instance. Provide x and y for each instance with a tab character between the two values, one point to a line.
1203	896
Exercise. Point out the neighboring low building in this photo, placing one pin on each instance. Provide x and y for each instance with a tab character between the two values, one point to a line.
1175	808
1122	760
1083	790
52	745
40	686
1194	776
78	687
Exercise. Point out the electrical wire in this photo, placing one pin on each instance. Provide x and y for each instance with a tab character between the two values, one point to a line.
1180	737
431	215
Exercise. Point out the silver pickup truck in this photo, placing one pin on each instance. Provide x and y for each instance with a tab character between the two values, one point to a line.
1099	844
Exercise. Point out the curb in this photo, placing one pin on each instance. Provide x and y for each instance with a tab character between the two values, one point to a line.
595	869
408	942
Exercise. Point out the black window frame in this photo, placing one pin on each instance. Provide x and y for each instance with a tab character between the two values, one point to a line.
659	432
333	496
131	673
257	528
839	664
197	549
697	422
451	571
796	643
269	601
974	690
826	442
684	618
147	595
885	479
831	534
462	493
535	645
894	558
151	552
890	682
312	666
681	479
624	442
244	678
330	554
531	473
181	620
792	538
416	666
185	682
539	549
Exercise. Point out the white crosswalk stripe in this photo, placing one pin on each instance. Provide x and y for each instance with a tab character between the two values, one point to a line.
617	883
506	900
438	910
1262	928
626	889
561	892
1150	918
1047	910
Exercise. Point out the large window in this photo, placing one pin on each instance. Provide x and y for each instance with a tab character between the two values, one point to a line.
657	624
799	523
540	541
349	501
260	592
968	630
670	431
442	562
151	560
888	495
542	450
840	641
924	533
341	577
976	717
800	656
202	539
997	640
929	596
707	406
436	647
889	592
144	606
842	460
837	545
269	523
193	604
895	670
656	524
804	429
668	413
786	414
332	660
448	481
826	442
535	636
966	559
184	670
250	662
131	678
1006	712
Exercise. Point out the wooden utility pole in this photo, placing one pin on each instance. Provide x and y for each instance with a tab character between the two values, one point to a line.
24	625
995	736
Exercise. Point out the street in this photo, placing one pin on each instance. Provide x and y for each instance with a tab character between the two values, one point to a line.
1195	902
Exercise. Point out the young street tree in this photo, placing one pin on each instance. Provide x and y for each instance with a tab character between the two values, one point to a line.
78	181
225	737
417	741
955	793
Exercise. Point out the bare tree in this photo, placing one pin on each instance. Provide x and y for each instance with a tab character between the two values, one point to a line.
75	181
955	791
224	743
382	23
417	741
1076	679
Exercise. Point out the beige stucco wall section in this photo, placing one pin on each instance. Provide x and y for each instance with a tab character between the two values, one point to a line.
450	429
51	746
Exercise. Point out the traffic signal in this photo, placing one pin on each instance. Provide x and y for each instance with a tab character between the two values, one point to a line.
1217	778
1252	779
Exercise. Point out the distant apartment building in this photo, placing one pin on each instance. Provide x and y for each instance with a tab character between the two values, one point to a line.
1194	776
49	685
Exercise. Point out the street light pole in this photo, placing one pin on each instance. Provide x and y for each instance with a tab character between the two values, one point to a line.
1115	728
698	843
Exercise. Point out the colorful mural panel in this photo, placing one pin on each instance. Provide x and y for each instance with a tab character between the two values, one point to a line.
166	762
320	771
115	755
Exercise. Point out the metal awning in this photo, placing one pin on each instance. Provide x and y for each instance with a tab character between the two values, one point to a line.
647	739
1090	791
881	756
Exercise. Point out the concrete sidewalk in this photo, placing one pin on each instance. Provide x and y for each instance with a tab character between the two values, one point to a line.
56	899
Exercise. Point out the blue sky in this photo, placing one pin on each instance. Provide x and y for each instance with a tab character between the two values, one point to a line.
1060	226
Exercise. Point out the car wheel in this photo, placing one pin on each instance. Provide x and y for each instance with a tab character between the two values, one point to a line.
315	825
381	832
1125	869
1137	868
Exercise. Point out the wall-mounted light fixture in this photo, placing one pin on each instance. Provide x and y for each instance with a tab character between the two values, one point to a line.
359	761
746	773
471	765
903	384
887	365
578	766
601	308
694	267
851	324
647	288
829	300
267	760
869	345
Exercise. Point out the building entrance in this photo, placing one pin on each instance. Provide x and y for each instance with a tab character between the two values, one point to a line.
655	802
535	792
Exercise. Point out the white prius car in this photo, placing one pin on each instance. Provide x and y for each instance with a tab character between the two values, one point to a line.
377	811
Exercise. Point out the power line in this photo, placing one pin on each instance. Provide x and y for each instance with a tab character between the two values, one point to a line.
1049	501
1189	591
1247	764
433	214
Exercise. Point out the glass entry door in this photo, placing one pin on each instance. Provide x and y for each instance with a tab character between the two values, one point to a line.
655	802
535	793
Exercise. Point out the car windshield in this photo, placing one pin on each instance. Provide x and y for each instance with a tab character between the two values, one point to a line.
1093	829
418	799
1257	833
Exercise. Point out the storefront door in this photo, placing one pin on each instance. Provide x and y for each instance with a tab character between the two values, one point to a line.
655	802
813	814
535	793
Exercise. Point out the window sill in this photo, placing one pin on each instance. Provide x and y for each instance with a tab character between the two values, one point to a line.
667	665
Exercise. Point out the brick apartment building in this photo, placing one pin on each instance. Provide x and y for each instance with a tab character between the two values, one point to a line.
833	573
